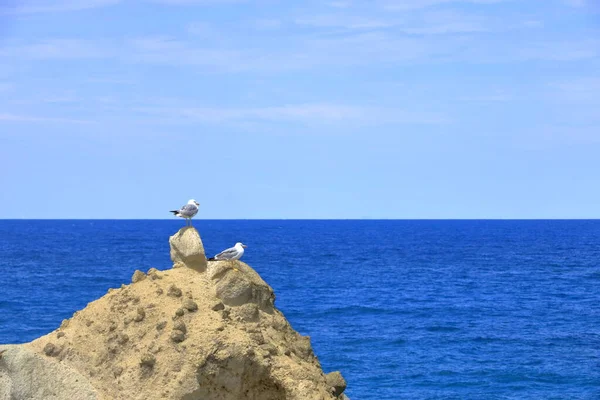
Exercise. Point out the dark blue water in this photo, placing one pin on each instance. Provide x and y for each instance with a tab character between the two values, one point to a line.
405	309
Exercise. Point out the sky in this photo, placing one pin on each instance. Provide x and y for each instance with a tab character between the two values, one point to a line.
300	109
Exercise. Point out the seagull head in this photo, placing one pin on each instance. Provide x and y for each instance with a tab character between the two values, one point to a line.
240	244
192	201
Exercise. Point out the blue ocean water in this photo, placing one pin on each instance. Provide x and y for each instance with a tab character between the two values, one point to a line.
405	309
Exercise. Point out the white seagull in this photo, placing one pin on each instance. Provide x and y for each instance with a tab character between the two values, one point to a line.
188	211
233	253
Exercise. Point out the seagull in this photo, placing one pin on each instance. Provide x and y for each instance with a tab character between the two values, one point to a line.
188	211
233	253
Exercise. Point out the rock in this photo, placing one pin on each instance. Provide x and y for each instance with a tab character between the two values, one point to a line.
247	312
20	365
245	349
49	349
148	360
337	382
117	371
190	305
141	314
180	312
236	284
138	276
180	325
187	249
177	336
174	291
153	274
123	338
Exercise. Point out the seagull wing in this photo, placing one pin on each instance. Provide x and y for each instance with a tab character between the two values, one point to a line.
189	210
227	254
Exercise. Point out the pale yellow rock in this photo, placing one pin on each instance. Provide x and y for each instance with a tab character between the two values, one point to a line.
187	249
236	283
26	374
149	341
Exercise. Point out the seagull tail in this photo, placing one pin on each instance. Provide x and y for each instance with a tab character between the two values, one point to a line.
175	212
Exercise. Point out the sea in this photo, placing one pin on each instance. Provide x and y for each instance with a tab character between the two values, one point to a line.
405	309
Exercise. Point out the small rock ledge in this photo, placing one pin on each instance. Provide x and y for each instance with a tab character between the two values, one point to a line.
202	330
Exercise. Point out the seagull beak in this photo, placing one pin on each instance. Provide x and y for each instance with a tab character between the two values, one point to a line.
244	246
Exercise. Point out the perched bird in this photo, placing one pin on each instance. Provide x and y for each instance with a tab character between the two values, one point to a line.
188	211
233	253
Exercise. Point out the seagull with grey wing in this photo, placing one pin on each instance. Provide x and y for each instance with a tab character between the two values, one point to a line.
188	211
233	253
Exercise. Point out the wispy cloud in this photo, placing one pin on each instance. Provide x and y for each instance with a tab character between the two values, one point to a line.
339	4
493	97
319	113
422	23
340	21
581	89
7	117
352	48
268	24
401	5
197	2
113	80
57	49
33	7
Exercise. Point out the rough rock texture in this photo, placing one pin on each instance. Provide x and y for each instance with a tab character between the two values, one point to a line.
183	334
336	381
187	249
20	366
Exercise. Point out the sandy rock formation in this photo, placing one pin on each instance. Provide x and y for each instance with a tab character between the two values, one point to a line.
187	249
205	331
20	366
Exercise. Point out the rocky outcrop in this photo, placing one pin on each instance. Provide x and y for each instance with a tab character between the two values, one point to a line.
187	249
205	331
25	374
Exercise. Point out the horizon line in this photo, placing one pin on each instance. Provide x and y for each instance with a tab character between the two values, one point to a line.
306	219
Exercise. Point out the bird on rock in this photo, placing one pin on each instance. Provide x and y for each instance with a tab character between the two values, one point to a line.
188	211
233	253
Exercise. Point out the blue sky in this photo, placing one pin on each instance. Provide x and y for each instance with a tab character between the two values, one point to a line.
307	109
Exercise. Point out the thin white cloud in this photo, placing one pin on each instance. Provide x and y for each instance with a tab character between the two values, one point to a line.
320	113
414	23
497	97
196	2
347	22
7	117
339	4
34	7
268	24
402	5
56	49
112	80
580	90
